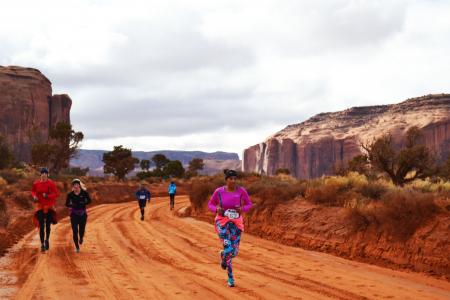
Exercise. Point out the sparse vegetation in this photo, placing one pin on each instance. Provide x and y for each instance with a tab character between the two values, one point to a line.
396	210
119	162
60	148
412	161
195	165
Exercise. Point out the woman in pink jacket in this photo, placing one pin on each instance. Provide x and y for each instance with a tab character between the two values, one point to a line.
229	202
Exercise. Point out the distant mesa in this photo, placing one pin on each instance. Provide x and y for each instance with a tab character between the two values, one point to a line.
28	108
312	148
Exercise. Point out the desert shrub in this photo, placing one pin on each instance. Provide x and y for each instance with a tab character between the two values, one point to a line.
143	175
373	190
351	180
200	191
402	211
336	190
324	195
11	176
278	189
351	199
430	186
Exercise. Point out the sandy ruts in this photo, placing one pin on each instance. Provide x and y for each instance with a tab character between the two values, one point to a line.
167	257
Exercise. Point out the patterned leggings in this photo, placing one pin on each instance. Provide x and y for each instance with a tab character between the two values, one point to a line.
231	236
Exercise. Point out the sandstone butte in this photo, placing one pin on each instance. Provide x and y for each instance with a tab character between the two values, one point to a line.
28	108
312	148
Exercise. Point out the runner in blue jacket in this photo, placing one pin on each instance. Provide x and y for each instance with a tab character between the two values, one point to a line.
143	196
172	191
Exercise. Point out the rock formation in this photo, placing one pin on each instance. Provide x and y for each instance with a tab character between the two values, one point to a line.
312	148
28	109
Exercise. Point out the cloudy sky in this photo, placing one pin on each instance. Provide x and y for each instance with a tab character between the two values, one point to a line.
223	75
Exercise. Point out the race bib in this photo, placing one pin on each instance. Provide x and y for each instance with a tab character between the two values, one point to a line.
142	197
231	214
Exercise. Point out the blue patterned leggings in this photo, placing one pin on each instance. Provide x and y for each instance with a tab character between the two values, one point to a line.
231	236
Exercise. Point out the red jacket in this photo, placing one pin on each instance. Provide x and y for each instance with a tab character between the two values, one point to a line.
48	187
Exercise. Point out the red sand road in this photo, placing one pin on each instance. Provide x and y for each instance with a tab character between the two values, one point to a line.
167	257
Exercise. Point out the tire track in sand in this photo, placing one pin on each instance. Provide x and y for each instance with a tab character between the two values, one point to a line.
166	257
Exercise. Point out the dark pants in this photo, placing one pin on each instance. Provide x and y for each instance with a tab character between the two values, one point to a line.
78	226
142	204
45	220
172	200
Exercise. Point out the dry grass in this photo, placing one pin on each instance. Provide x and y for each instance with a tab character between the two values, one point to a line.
428	186
373	190
278	189
397	211
401	212
201	189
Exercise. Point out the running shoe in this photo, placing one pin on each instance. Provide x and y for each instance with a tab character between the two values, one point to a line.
230	282
81	241
47	245
77	249
42	248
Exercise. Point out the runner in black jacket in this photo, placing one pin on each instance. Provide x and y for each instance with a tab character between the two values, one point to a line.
143	196
77	201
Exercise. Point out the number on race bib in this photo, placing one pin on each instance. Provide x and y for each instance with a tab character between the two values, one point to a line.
231	214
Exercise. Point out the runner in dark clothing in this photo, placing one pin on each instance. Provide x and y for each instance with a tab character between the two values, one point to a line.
77	201
143	196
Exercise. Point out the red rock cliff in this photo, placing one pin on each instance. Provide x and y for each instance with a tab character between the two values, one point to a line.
28	109
312	148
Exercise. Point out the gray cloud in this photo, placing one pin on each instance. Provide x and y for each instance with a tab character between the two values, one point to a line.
235	68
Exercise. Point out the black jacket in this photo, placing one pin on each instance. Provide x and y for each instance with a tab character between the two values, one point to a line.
78	201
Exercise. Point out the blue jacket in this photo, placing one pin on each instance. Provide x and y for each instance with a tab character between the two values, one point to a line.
172	188
146	195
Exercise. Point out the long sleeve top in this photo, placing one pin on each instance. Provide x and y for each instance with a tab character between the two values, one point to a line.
46	192
78	202
172	189
143	195
230	200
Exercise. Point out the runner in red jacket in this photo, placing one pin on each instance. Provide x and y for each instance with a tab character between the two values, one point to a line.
44	194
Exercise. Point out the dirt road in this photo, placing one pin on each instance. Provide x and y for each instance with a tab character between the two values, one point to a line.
167	257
